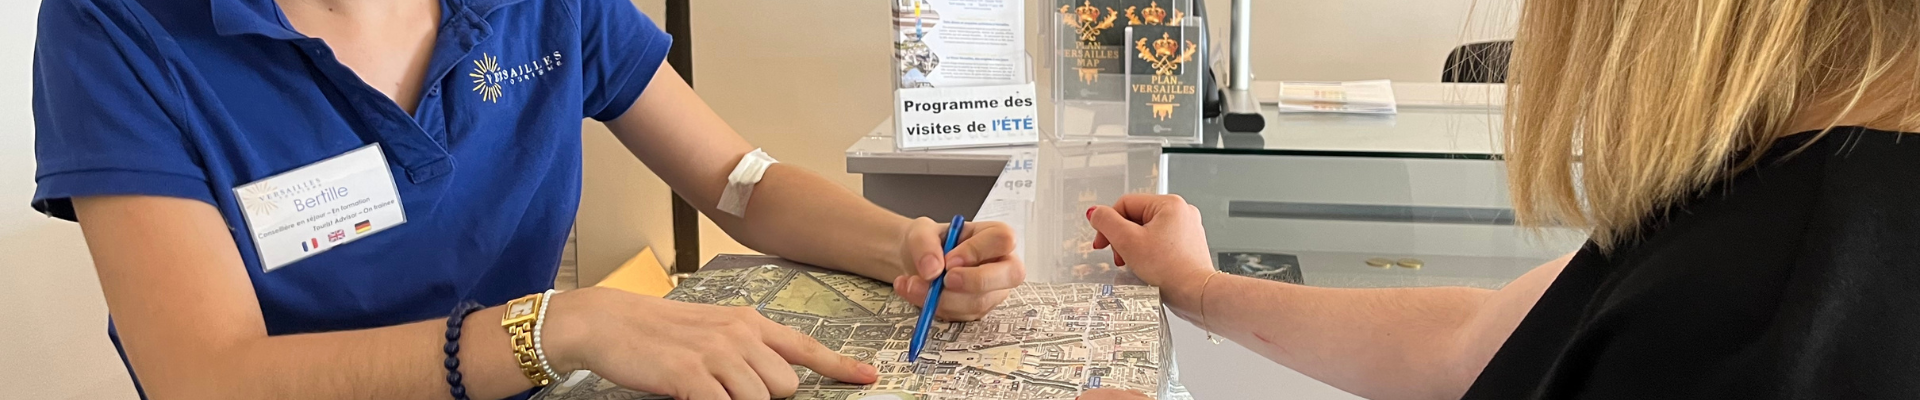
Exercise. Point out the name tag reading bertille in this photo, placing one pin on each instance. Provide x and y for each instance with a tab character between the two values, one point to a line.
314	208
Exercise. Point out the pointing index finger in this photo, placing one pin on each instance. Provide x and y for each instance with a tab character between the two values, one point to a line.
802	350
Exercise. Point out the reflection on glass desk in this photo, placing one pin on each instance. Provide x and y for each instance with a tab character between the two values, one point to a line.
1414	199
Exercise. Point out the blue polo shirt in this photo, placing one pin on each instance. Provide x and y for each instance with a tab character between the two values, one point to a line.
192	98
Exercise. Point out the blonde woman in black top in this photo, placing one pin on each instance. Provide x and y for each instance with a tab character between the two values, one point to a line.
1748	175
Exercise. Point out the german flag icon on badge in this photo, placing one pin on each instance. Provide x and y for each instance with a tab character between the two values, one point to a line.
363	227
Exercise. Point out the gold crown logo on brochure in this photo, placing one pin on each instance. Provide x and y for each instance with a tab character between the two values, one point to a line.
1087	20
1165	53
1154	15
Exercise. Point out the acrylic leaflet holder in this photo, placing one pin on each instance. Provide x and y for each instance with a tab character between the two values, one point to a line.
961	75
1127	70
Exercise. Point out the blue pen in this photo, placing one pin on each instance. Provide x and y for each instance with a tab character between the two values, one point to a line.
920	329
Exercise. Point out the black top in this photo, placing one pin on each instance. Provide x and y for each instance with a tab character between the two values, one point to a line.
1796	279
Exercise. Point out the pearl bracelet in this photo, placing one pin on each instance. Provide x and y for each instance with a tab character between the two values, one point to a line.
539	321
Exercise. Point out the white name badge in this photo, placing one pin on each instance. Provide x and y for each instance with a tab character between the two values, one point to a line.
312	209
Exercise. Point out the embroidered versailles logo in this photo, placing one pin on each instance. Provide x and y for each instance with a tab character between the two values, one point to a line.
483	82
1166	55
490	79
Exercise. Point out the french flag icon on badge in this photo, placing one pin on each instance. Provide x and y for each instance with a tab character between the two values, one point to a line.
310	245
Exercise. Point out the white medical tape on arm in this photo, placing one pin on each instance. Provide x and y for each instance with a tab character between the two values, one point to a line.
740	183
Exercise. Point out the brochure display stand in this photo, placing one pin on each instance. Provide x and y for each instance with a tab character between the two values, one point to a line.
1127	70
962	75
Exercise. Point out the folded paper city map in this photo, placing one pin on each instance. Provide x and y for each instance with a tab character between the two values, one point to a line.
1047	341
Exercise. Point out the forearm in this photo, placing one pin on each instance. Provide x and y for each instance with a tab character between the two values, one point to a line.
1377	343
802	216
793	213
395	362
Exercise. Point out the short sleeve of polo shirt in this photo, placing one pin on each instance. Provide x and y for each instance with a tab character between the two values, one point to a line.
99	105
622	49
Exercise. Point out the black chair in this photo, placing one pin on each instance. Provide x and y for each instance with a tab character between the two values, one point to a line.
1484	62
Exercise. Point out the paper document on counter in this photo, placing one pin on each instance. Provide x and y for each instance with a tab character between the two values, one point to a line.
1357	97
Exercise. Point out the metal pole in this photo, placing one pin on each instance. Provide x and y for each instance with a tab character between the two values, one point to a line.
1242	41
686	219
1243	109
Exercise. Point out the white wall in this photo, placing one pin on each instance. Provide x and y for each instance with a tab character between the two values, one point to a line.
58	346
1402	40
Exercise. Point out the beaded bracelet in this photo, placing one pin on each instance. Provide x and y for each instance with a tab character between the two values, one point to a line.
540	322
460	312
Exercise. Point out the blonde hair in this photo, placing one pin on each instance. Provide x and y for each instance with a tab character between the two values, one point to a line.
1620	108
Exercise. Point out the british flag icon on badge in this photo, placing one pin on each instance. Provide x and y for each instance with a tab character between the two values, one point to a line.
336	235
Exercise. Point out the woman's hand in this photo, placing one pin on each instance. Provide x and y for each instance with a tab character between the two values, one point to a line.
981	270
1159	237
685	350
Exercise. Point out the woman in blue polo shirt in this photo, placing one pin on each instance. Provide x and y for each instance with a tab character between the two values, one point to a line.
291	199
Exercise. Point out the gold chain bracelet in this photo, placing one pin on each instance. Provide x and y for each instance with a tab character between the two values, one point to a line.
1204	326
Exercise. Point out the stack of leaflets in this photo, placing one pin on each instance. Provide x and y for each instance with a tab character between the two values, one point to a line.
1358	97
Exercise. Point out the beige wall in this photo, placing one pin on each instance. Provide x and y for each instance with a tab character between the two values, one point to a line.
623	206
801	78
803	86
57	346
1402	40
